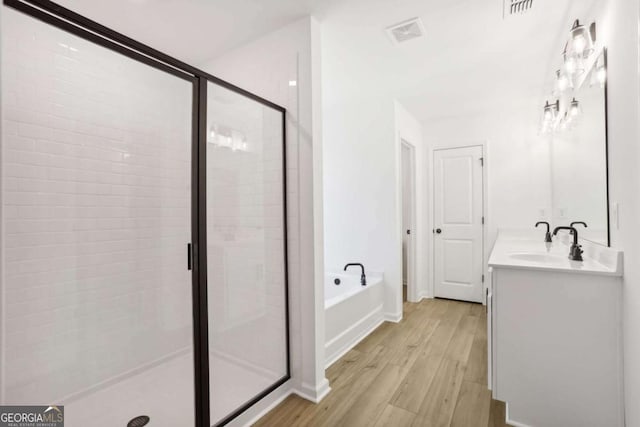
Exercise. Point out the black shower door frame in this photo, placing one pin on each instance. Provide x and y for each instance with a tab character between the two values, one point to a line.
196	257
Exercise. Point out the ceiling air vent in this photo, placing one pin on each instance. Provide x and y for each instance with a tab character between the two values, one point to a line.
406	30
516	7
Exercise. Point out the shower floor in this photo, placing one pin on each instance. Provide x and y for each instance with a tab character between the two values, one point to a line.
165	394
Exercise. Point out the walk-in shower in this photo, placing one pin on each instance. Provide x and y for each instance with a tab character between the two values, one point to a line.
143	253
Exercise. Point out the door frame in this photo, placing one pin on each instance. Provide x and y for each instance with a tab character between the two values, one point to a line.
484	144
412	286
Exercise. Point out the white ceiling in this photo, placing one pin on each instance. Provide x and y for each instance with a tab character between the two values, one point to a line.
194	30
471	59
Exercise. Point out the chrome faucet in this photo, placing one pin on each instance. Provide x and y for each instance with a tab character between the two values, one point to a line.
363	277
547	236
575	253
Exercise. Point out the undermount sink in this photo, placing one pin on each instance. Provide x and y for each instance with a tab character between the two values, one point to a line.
539	258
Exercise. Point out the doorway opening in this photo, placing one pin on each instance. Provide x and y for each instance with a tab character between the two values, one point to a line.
408	221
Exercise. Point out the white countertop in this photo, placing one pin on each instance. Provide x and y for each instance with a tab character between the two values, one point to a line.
519	250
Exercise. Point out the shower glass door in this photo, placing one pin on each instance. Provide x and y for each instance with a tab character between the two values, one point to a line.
246	251
96	310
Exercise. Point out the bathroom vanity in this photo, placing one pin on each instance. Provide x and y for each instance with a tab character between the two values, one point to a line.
555	332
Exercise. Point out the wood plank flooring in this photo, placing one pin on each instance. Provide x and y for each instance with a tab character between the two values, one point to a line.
428	370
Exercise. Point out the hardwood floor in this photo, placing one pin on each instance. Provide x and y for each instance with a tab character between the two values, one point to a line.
428	370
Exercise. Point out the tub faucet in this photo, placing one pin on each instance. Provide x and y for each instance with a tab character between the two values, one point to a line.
363	277
547	237
575	253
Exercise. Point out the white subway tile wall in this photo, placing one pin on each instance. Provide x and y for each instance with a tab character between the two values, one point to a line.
96	182
246	258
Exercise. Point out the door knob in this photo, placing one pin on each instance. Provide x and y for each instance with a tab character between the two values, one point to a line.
408	231
439	231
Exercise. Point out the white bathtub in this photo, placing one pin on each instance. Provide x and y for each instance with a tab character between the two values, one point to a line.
352	311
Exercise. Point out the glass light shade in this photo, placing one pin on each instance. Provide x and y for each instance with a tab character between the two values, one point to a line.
601	75
570	64
579	43
563	82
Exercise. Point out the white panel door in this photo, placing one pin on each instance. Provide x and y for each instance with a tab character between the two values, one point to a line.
458	224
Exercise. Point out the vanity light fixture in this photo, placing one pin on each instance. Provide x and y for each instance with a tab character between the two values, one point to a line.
550	117
576	56
582	39
551	111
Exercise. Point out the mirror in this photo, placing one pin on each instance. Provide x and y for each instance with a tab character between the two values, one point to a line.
578	153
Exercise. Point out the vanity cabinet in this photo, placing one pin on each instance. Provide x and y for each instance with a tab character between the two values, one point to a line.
555	349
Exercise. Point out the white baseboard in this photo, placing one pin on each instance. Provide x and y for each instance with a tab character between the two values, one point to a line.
115	379
393	317
512	422
313	394
425	295
340	345
310	393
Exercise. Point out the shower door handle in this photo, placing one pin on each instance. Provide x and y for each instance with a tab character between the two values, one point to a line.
189	257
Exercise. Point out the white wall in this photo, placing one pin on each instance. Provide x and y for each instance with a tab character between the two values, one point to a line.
361	162
516	165
619	28
266	67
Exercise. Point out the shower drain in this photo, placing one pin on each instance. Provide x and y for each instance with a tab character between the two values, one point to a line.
138	421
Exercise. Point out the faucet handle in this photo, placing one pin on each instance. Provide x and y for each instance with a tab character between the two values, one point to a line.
539	223
547	236
582	223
